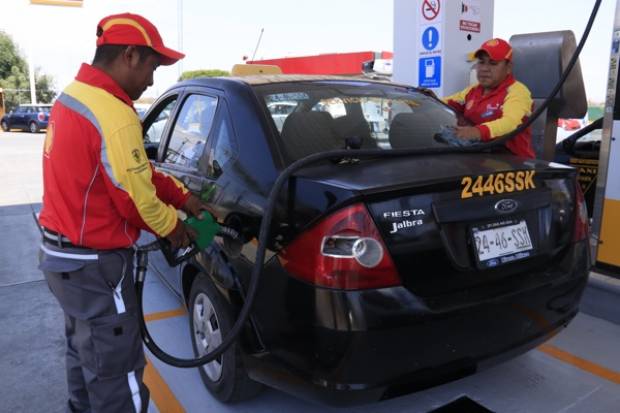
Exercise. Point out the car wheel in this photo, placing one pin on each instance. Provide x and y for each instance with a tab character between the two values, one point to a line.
33	127
211	318
4	125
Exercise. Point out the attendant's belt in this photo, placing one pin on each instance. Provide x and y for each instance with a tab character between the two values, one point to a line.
58	240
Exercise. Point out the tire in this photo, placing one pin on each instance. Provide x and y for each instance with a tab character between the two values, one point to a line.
33	127
4	125
211	318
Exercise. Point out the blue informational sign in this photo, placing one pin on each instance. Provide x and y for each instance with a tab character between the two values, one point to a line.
429	72
430	38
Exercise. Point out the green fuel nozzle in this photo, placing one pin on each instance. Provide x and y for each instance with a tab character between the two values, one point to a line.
206	228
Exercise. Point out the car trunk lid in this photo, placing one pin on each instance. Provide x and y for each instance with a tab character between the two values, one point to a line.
454	222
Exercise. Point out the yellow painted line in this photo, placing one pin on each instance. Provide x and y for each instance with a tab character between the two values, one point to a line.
165	314
580	363
565	356
161	394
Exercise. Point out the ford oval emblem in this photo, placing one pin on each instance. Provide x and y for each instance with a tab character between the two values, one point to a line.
506	206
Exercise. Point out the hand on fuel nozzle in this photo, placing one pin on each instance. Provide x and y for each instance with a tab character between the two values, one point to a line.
194	206
181	236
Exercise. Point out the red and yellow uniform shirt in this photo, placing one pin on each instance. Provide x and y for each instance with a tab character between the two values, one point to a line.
100	189
498	112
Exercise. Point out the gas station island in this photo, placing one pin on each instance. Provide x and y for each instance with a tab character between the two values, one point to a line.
381	231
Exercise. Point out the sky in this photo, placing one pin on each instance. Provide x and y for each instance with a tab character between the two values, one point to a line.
217	34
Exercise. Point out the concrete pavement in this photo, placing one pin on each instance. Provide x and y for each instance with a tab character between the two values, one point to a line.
31	323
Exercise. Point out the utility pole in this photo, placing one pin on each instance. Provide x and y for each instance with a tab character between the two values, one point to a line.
33	90
180	34
258	43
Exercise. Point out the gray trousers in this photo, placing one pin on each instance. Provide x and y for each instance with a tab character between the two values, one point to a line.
105	359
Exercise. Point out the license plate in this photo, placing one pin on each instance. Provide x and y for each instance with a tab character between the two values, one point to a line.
499	244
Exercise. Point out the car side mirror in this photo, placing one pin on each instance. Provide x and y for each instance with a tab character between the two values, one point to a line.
217	169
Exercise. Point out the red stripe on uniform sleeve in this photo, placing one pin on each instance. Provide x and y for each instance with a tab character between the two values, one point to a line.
167	190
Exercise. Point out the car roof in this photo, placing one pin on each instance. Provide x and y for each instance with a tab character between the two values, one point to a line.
267	79
37	105
257	80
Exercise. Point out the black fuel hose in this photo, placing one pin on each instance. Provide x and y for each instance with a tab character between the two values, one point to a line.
265	229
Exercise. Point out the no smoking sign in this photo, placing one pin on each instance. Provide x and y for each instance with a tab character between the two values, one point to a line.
430	9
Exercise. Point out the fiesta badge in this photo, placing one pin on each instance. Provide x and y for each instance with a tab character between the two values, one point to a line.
506	206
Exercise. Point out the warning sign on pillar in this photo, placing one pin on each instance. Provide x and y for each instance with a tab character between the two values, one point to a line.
470	16
430	38
431	10
429	72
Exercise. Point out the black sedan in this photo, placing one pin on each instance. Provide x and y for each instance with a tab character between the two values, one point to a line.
384	275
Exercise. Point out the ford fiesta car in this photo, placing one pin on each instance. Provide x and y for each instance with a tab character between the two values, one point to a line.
384	275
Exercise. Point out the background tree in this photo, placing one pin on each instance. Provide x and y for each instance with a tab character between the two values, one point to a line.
10	57
45	87
191	74
14	76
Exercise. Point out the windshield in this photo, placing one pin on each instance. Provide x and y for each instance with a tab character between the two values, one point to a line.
319	116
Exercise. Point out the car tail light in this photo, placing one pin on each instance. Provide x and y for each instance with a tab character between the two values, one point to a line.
344	251
581	215
41	116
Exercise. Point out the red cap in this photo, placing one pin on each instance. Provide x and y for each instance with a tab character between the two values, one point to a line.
497	49
134	30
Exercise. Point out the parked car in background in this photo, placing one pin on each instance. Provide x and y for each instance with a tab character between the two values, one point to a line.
582	150
569	124
27	117
279	112
141	109
384	275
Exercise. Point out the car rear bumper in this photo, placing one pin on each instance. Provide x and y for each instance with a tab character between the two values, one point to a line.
368	346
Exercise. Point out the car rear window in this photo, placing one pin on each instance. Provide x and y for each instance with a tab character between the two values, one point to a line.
318	116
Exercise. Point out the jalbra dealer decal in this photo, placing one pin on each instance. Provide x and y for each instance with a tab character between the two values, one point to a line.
408	218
